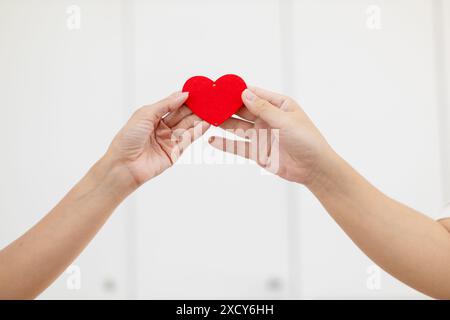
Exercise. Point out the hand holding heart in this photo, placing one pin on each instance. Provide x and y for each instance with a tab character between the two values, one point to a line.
145	146
301	149
155	137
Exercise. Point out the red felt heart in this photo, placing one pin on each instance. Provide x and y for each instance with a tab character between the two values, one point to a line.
214	101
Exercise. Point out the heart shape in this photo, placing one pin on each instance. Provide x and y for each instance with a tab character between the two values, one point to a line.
214	101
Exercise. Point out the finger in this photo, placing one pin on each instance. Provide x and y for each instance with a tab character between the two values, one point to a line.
169	104
187	138
197	131
175	117
239	148
241	128
244	113
262	108
278	100
187	122
274	98
244	149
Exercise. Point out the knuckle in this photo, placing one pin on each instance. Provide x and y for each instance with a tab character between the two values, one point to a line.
289	101
262	105
291	104
140	112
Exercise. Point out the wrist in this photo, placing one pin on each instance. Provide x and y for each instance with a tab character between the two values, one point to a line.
326	171
113	176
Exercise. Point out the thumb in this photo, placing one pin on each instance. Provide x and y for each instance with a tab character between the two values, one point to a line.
159	109
262	108
169	104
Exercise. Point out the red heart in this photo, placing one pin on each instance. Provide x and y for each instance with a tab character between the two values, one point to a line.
216	101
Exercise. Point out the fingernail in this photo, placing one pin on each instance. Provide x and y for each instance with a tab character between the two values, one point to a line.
181	96
250	96
284	105
211	139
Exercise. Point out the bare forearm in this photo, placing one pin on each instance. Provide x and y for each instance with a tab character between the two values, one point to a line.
35	260
412	247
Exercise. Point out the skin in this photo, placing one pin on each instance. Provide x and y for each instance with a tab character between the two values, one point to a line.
412	247
409	245
148	144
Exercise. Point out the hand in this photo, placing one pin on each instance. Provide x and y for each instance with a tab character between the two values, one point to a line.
155	137
280	136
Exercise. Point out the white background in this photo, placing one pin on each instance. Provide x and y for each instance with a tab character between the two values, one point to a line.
222	229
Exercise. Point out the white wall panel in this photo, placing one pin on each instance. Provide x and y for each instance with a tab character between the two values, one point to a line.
61	103
209	230
442	17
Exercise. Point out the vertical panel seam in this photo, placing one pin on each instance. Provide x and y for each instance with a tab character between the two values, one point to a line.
292	193
129	100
